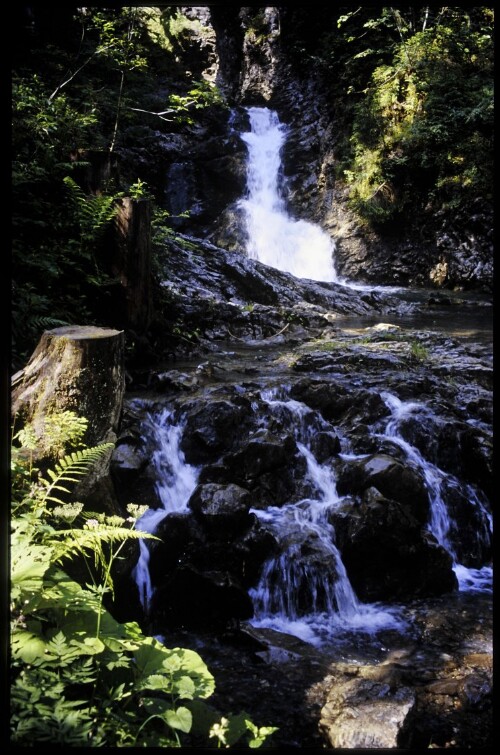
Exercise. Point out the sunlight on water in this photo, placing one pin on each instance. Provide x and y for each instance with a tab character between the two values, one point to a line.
474	580
441	522
322	628
274	237
175	481
305	590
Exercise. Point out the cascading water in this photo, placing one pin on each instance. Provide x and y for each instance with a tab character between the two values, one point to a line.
441	523
175	481
274	238
305	590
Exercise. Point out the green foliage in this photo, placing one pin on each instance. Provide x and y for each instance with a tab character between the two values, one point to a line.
138	190
81	83
79	678
422	128
419	352
92	213
411	91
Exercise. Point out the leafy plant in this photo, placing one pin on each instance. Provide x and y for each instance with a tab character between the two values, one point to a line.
139	190
79	677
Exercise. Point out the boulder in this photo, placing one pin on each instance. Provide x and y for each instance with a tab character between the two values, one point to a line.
212	427
387	553
393	479
221	509
366	707
200	599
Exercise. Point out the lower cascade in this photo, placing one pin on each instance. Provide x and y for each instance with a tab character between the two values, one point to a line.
175	481
304	588
441	524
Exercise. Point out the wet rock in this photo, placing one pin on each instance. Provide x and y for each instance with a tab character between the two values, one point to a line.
324	445
200	599
366	707
301	578
264	452
339	403
221	509
469	533
268	465
211	428
453	446
393	479
386	552
132	475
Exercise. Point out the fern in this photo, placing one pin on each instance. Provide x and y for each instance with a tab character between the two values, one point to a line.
92	539
75	463
79	677
93	212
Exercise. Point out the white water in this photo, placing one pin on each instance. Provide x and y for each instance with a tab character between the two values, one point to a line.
297	594
175	481
274	238
305	590
441	523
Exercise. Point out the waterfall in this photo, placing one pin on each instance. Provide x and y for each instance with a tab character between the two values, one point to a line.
441	523
175	481
274	238
305	590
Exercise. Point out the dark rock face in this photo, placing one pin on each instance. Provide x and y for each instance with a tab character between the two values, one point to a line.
211	428
387	553
204	565
222	510
258	67
393	479
338	403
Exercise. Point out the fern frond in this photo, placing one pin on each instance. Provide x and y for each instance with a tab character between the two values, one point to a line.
75	463
45	323
83	541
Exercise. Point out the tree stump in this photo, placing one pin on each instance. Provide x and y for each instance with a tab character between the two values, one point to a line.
131	262
76	368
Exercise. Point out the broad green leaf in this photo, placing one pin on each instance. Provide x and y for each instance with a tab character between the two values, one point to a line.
172	663
149	657
236	727
156	682
93	644
194	666
204	717
185	687
27	646
29	564
154	706
179	719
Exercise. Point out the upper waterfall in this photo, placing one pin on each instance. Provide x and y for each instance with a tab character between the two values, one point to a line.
275	238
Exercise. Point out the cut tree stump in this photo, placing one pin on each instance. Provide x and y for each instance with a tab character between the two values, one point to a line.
131	262
76	368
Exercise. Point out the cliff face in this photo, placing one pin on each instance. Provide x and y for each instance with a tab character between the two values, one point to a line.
258	63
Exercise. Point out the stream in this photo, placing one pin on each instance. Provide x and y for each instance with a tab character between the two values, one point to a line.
320	482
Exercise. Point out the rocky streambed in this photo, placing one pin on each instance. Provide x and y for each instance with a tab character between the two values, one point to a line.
316	435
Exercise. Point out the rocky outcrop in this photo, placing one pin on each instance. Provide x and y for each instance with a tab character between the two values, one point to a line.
367	708
387	551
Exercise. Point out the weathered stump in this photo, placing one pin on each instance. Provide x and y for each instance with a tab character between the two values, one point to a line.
94	168
76	368
131	262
